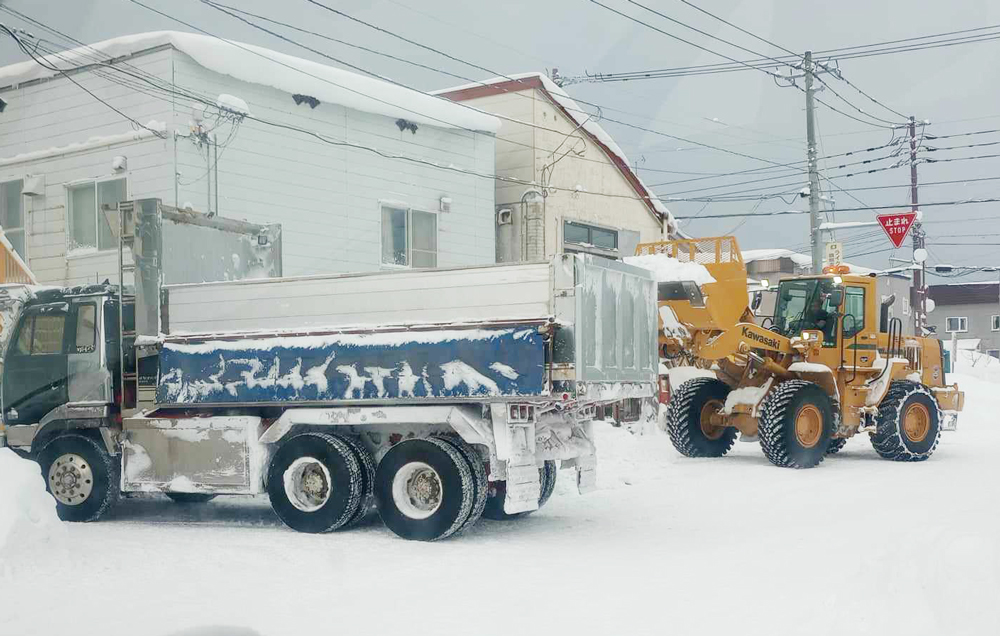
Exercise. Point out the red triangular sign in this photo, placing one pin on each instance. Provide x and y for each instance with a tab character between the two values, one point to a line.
897	225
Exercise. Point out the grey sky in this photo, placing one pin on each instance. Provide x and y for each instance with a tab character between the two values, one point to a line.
754	116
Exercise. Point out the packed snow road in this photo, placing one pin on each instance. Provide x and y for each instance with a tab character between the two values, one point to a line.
857	546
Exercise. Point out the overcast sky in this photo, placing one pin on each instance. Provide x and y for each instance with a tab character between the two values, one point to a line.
956	88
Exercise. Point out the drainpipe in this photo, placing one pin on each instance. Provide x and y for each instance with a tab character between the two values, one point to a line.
533	225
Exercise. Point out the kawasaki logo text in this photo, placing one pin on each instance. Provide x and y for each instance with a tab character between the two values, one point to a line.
764	340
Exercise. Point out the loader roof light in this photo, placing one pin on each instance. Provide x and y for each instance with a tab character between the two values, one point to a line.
836	269
837	280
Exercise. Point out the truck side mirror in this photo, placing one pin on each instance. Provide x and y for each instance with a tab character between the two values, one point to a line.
836	297
757	298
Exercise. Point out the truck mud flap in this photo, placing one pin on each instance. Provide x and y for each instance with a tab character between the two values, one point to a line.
523	487
586	474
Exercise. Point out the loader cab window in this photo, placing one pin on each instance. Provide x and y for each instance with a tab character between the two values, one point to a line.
805	304
854	311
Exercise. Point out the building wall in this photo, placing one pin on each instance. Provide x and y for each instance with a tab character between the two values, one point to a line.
524	150
326	197
56	113
979	322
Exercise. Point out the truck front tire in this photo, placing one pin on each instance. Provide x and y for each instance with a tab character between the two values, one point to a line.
425	489
81	476
796	422
315	482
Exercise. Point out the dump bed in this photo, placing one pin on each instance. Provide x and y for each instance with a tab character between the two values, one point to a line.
580	324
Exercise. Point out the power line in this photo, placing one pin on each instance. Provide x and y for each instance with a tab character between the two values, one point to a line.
742	30
874	207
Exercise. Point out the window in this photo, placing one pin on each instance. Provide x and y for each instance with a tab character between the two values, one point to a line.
995	322
589	236
88	225
409	237
12	214
993	352
854	311
42	332
906	306
86	327
959	324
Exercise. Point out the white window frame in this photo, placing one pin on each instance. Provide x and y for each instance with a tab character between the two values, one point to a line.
960	329
995	322
23	229
68	187
906	306
398	205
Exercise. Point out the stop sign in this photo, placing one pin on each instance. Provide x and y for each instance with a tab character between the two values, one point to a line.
897	225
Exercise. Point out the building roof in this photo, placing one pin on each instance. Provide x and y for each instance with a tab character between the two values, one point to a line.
965	293
287	73
582	118
800	260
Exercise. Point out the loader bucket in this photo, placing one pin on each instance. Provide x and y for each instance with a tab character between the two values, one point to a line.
709	307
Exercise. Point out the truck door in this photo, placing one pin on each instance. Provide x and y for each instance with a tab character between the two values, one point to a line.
35	369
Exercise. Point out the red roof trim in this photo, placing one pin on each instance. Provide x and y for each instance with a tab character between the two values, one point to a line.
509	86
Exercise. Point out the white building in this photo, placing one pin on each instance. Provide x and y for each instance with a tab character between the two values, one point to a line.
593	200
320	153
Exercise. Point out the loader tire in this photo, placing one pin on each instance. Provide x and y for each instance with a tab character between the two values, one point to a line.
836	443
687	419
424	489
190	497
498	494
908	425
315	482
479	482
795	425
367	463
81	476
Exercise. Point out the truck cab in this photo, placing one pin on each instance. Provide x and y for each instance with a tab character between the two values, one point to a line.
60	365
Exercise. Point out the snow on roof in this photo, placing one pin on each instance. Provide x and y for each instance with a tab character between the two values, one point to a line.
287	73
800	260
580	117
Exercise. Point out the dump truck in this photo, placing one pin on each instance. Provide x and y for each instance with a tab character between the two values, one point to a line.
436	396
828	365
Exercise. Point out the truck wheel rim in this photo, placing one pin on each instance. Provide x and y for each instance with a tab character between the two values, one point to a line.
709	430
917	422
417	490
308	484
808	426
71	479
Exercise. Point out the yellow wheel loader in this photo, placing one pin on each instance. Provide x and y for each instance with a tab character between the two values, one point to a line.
829	364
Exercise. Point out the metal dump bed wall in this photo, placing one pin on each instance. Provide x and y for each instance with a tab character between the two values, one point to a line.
472	294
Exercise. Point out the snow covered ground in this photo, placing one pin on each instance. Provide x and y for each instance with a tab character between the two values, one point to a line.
667	545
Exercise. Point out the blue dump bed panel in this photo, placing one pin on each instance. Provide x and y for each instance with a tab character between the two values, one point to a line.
457	363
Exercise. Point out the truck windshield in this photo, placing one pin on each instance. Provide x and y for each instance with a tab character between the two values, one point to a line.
805	304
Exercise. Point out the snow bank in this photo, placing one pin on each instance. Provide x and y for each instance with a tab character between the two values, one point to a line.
28	518
977	365
667	270
287	73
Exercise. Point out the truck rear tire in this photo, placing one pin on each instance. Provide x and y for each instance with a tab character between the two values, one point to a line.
908	426
424	489
315	482
190	497
498	494
367	463
81	476
479	482
688	423
796	421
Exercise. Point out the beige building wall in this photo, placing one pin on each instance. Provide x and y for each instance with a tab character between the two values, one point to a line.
578	170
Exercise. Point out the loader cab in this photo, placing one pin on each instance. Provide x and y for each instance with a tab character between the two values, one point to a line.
58	355
839	305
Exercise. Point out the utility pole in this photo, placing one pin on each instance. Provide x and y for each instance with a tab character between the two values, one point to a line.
918	295
811	157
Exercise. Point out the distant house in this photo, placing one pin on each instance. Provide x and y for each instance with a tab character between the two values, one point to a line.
969	311
362	174
773	264
569	186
